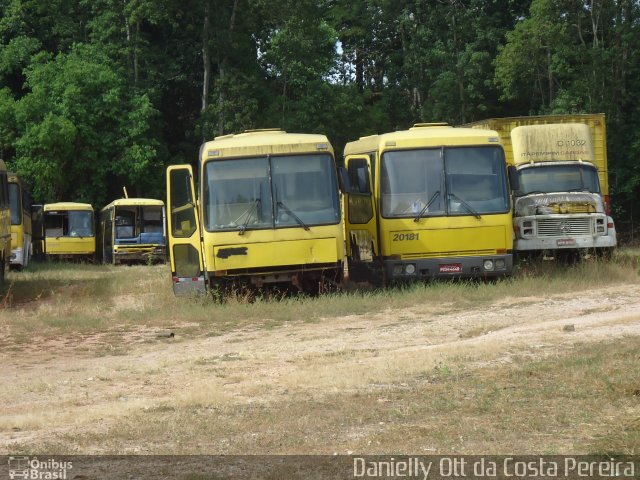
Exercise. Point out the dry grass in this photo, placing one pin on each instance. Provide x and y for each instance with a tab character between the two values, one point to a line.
449	367
582	401
130	298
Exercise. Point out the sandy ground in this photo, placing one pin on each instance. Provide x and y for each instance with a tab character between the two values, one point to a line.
67	385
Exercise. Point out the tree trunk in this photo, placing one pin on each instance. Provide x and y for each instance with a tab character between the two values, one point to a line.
206	59
135	56
222	71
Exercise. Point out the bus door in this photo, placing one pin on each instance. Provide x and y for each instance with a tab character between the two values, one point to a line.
363	250
184	236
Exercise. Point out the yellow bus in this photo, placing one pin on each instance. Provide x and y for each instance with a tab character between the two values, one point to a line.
268	213
21	231
428	202
69	231
5	222
132	230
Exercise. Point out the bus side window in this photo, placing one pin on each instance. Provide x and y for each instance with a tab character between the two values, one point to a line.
359	176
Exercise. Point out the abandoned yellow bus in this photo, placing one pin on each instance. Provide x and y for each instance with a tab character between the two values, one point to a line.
268	213
428	202
132	230
5	222
21	231
69	231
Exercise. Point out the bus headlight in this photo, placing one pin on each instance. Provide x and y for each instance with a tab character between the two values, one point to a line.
410	269
488	265
500	264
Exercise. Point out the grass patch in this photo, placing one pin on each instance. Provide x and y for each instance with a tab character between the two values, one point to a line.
51	299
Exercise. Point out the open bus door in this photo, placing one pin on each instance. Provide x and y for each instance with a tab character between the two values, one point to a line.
363	248
184	236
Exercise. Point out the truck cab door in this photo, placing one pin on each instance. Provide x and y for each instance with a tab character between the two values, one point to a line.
361	223
183	232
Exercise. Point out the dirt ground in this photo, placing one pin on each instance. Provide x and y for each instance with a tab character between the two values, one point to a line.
88	386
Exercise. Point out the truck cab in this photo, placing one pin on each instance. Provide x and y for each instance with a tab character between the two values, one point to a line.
558	201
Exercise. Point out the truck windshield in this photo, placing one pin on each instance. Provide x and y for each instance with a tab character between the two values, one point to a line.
252	193
443	181
15	203
555	178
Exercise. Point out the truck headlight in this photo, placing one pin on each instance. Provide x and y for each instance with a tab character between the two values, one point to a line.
488	265
527	228
410	269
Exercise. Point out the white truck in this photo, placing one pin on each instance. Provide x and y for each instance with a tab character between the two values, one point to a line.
559	183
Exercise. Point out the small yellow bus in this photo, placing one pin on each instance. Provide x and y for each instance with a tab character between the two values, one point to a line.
5	222
69	231
21	231
132	230
268	214
428	202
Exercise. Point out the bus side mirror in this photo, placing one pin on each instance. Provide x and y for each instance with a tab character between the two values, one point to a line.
513	178
343	180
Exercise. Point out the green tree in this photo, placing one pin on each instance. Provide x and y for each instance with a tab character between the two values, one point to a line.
83	132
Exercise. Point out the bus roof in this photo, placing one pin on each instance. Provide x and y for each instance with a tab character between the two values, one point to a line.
422	135
264	142
129	202
48	207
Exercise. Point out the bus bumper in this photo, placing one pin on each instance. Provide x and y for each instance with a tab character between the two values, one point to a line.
189	286
153	254
484	266
16	257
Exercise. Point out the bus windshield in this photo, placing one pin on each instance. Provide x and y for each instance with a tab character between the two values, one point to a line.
270	192
443	181
16	204
69	223
134	221
553	178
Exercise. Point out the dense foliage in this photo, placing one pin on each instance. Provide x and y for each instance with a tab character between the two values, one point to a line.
100	94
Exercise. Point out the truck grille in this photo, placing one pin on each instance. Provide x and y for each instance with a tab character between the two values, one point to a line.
564	227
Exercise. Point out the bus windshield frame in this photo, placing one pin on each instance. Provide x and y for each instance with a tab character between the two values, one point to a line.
270	192
138	221
443	181
69	223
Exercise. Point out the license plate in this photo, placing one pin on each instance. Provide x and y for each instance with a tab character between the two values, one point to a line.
451	268
565	242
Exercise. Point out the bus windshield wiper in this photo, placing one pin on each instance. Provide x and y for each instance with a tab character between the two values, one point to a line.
435	195
290	212
255	205
468	207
